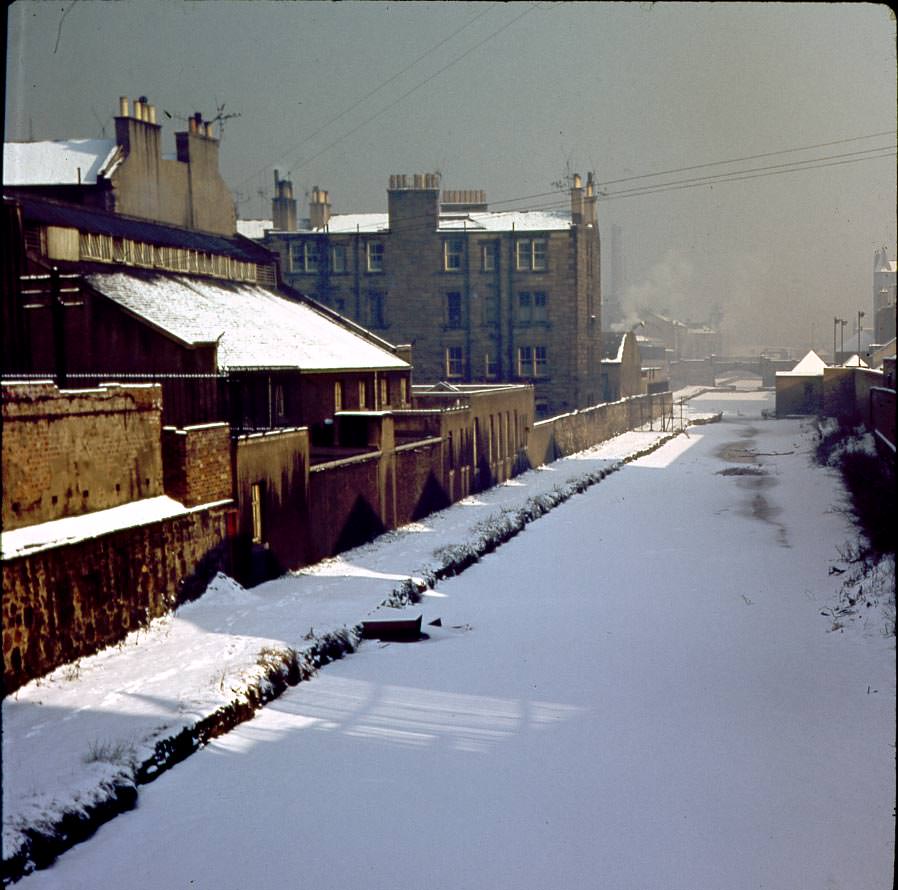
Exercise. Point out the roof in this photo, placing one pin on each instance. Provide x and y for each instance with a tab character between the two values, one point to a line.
66	162
90	219
253	228
613	346
508	220
855	362
811	365
485	221
255	327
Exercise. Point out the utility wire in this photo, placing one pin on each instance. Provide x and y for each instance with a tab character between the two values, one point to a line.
369	94
414	89
708	164
766	154
562	201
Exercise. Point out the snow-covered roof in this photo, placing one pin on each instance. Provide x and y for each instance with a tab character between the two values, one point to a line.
479	221
253	228
254	326
855	362
809	366
66	162
508	220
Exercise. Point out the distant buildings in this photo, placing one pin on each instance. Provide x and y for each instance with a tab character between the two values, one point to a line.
884	272
483	296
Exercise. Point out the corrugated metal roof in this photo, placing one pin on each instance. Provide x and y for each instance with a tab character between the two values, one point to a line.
56	163
89	219
255	327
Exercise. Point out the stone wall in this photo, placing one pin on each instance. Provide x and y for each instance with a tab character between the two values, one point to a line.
569	433
64	602
75	451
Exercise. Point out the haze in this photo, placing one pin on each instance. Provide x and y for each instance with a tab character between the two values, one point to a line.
512	97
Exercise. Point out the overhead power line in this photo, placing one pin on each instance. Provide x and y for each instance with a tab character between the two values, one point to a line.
766	154
385	83
414	89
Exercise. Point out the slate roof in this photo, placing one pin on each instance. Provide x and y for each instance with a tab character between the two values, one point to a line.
88	219
254	326
57	163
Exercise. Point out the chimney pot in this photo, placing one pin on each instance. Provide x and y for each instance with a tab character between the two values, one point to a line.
123	107
208	131
578	182
152	115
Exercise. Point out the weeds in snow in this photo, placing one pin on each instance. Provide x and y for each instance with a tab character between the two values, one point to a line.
118	753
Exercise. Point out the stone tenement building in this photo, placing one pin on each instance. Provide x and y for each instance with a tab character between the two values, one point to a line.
129	174
483	296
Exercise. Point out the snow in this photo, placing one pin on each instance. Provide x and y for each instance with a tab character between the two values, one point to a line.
809	366
70	529
56	163
254	327
612	699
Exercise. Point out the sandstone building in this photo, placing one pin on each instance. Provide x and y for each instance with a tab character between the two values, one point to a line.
483	296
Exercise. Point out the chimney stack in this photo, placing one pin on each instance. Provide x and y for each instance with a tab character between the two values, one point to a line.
577	200
319	209
283	206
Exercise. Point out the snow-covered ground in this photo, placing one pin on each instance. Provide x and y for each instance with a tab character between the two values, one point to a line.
638	691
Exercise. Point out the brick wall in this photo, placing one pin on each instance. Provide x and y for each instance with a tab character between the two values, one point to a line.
75	451
197	463
65	602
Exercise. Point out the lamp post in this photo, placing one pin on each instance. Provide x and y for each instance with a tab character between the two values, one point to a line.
835	328
844	323
860	315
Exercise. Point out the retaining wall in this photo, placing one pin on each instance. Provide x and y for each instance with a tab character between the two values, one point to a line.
67	601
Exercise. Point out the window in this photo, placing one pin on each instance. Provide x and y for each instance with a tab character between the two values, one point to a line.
362	398
525	305
532	361
384	394
256	492
403	391
531	255
338	258
374	252
375	309
490	366
454	361
304	256
490	304
488	256
453	251
540	302
338	396
453	309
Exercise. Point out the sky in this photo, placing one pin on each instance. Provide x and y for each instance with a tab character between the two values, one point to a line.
680	717
511	97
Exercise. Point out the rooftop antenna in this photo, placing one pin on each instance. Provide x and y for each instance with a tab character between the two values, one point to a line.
100	122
